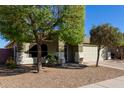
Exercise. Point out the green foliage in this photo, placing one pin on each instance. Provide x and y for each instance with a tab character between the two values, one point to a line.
20	23
72	26
104	34
52	59
10	63
120	41
37	23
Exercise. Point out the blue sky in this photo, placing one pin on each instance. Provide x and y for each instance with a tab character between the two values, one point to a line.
96	15
3	42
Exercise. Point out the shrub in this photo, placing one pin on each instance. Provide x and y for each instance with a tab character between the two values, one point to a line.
10	63
51	59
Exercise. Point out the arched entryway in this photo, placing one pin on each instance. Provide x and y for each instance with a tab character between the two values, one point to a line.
33	51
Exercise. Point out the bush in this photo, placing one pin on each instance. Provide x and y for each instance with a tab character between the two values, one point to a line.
51	59
10	63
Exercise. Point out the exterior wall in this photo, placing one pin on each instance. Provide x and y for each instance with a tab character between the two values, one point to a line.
78	54
89	53
23	55
52	47
60	52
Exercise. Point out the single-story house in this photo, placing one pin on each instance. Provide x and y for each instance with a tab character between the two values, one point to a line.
65	53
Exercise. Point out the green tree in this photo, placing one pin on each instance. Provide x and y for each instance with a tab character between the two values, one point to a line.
120	44
27	23
73	24
120	41
103	35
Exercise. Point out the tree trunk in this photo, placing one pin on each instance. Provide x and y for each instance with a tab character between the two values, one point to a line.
39	53
98	54
122	53
39	57
121	50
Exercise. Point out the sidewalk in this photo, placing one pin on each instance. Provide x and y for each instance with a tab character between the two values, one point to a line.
112	83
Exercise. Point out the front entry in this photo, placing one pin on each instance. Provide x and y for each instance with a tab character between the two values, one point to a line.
33	51
69	53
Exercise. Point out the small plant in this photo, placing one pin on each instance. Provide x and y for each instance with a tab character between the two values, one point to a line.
51	59
10	63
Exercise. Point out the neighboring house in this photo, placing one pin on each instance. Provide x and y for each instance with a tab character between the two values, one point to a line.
65	53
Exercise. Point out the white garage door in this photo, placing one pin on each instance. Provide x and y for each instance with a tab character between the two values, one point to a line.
89	53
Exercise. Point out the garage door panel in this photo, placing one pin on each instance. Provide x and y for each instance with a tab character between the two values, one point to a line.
90	53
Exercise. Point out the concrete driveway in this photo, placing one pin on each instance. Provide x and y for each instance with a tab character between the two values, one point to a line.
112	83
118	64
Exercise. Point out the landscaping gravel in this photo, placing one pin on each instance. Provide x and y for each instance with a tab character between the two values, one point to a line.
59	77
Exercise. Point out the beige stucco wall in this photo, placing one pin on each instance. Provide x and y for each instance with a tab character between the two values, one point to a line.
87	52
52	47
78	54
23	57
60	52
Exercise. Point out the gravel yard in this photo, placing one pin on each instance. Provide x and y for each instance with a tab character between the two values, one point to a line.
59	77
